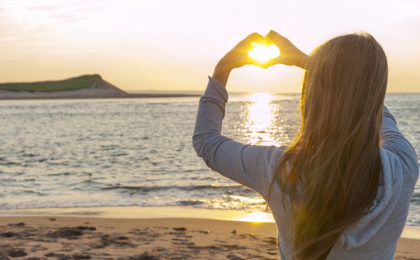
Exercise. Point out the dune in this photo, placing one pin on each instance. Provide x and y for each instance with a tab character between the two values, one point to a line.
85	86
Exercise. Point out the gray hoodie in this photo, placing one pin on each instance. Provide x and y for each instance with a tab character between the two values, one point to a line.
373	237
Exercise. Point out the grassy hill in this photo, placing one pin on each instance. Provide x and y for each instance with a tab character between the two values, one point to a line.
76	83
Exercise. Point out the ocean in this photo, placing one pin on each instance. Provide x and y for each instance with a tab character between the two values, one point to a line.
138	152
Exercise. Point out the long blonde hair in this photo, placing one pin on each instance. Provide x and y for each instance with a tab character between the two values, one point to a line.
330	173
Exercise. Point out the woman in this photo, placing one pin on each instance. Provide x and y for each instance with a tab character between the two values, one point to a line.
342	189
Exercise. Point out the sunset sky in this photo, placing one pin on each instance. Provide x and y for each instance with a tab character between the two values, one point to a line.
174	45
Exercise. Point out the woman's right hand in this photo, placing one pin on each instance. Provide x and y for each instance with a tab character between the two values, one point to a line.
237	57
289	53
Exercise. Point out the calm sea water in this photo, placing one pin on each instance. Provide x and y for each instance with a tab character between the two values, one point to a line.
121	152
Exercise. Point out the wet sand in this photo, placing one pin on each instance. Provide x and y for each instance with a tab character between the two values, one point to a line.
42	237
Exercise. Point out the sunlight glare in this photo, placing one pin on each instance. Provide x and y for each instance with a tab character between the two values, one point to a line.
260	121
263	53
257	217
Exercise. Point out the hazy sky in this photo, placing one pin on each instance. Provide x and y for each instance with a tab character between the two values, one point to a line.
174	45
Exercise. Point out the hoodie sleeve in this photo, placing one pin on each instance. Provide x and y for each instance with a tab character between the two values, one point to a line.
250	165
393	141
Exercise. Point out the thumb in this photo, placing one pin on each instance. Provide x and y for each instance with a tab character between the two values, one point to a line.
274	61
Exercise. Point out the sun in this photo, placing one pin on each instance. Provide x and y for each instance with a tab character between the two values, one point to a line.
263	52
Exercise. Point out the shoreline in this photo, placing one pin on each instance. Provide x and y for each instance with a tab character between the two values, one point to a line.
156	213
134	212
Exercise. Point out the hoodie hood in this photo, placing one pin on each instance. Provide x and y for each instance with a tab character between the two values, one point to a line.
388	193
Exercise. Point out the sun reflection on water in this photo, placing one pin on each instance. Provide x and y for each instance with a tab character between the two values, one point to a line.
260	119
256	217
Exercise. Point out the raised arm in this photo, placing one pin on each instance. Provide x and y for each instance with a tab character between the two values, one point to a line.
249	165
395	142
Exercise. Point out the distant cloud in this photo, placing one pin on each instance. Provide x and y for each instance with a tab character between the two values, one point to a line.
54	5
24	20
25	11
66	12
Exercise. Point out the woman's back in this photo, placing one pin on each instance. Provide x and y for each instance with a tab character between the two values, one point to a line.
354	205
374	236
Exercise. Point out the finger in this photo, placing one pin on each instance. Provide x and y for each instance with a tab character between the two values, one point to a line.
273	35
276	38
246	61
270	34
252	38
255	37
272	62
252	61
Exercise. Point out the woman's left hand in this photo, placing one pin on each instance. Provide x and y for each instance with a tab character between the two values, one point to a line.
237	57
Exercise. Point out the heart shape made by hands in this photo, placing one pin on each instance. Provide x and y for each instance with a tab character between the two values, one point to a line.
263	52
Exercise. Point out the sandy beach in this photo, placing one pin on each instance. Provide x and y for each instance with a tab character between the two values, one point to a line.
88	237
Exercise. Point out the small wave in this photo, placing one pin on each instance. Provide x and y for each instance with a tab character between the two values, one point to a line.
8	180
9	163
413	221
190	203
134	188
29	192
109	147
119	154
227	188
29	155
59	174
205	187
415	199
